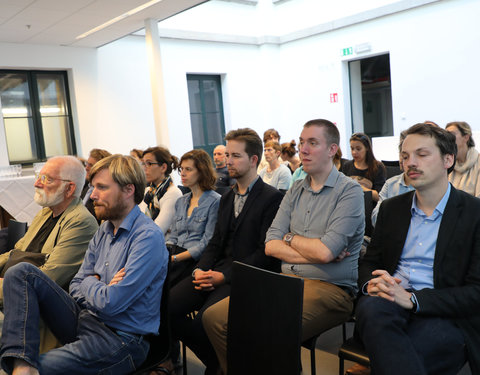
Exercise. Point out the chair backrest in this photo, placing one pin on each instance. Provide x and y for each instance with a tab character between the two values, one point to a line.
369	205
160	344
16	230
392	168
264	322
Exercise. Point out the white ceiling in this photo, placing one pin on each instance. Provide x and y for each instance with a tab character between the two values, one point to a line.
59	22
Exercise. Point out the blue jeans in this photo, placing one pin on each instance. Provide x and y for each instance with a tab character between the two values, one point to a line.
89	346
399	342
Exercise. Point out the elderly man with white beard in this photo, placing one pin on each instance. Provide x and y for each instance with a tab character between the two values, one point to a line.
59	235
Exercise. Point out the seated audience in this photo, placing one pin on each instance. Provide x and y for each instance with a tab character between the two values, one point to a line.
59	234
289	154
137	154
364	168
396	185
466	174
419	278
114	298
223	177
275	173
268	135
319	222
95	155
246	212
161	194
195	214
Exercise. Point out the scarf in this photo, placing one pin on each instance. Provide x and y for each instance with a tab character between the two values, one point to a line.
153	196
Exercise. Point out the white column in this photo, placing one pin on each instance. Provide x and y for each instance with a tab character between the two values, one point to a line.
156	81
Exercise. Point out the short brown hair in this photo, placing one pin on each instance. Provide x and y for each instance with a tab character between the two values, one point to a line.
163	156
125	170
203	163
331	133
444	140
253	143
269	133
99	154
275	145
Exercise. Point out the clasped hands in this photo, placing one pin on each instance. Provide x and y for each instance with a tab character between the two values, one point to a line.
208	280
388	287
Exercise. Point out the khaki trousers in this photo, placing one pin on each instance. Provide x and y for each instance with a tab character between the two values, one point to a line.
324	306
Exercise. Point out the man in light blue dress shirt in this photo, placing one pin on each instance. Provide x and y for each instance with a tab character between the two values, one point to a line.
420	276
114	298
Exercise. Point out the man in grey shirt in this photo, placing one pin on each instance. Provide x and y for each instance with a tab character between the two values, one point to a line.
321	220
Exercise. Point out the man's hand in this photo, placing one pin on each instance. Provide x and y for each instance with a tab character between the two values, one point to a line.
343	254
208	280
388	287
117	277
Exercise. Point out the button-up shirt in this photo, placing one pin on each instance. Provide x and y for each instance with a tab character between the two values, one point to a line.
132	305
415	267
335	215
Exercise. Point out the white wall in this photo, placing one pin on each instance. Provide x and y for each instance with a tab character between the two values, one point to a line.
433	55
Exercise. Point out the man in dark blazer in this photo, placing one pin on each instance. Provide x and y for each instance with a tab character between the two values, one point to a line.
421	273
244	215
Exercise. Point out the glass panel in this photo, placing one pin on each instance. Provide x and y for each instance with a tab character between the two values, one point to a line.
17	130
55	134
210	94
51	94
194	96
14	95
197	130
214	128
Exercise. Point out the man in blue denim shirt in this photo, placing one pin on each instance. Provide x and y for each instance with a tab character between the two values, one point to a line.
114	298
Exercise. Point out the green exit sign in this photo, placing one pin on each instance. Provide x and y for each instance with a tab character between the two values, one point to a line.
347	51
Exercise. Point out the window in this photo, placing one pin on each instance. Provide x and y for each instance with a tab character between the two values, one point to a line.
371	96
36	114
206	111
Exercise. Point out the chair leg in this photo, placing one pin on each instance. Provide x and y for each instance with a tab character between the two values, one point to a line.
341	366
184	358
312	359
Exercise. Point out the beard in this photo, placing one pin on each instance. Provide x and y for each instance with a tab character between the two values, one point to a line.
103	212
48	200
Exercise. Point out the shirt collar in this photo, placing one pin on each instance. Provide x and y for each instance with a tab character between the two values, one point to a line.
330	182
129	220
250	187
440	208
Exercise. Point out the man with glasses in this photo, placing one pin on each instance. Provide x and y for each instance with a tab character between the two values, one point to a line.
62	229
114	298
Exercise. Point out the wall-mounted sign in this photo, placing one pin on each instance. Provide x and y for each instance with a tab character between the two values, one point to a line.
334	97
347	51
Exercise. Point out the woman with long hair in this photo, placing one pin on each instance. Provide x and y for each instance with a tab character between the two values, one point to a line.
161	193
195	214
466	174
368	171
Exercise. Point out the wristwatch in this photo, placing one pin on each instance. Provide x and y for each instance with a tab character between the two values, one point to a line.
288	238
413	299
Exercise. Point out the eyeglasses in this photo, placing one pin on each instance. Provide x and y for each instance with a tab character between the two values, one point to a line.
44	179
148	164
187	169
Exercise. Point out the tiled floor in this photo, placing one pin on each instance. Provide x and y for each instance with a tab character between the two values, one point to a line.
325	355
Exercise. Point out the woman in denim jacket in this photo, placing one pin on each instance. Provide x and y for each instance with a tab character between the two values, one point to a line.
195	214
